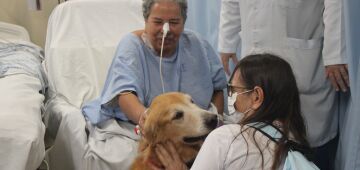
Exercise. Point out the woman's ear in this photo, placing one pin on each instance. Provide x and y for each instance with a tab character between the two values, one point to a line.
257	97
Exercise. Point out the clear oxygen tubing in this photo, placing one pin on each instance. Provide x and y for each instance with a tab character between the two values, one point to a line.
165	31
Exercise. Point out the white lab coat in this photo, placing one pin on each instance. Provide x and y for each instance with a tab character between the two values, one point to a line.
293	29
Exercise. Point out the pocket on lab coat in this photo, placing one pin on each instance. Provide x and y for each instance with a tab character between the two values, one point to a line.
307	64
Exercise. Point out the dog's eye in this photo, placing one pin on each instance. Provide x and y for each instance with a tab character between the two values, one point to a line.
178	115
191	100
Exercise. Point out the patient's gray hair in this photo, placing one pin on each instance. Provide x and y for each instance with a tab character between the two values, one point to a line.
147	4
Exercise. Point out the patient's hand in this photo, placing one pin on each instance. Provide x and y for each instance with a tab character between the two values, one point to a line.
141	124
142	120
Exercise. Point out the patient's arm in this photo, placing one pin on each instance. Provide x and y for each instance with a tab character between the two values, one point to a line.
131	107
218	100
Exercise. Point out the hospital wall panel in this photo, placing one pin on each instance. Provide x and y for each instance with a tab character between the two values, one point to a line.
35	21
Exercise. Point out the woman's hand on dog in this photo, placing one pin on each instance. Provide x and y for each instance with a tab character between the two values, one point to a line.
169	157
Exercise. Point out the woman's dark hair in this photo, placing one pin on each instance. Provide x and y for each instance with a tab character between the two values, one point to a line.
281	98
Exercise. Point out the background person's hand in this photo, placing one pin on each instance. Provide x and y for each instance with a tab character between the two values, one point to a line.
169	157
225	57
338	75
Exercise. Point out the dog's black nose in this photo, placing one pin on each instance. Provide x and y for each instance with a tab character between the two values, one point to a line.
211	121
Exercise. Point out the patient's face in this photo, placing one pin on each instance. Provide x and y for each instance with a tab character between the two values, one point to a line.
160	13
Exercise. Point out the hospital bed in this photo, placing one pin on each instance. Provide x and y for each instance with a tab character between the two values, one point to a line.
81	40
22	85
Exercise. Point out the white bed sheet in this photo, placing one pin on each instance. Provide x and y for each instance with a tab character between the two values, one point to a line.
21	127
110	147
21	79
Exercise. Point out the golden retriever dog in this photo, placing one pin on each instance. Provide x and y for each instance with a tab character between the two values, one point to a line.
173	116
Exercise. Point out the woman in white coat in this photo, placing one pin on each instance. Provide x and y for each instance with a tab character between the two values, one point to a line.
308	33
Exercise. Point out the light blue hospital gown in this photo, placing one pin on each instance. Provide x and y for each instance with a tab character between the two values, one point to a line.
194	69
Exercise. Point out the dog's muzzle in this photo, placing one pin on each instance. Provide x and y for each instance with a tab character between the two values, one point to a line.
212	121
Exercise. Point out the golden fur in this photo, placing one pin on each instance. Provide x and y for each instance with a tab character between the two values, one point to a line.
173	116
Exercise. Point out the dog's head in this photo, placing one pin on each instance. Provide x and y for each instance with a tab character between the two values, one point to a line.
173	116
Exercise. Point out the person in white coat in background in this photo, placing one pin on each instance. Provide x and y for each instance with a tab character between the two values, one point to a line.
309	34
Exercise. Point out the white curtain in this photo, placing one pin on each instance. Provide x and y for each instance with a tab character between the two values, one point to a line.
348	155
204	18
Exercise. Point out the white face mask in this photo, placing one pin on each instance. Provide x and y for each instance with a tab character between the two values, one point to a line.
231	103
234	115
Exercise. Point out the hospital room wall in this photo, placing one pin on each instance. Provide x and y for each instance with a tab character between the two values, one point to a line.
17	12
